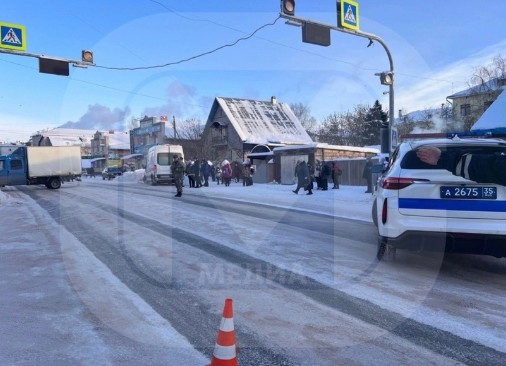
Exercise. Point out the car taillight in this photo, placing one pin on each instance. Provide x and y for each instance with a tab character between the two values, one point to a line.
399	183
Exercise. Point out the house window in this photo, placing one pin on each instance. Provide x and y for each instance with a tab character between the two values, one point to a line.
465	109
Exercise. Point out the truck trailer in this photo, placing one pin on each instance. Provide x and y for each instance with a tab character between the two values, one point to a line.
48	165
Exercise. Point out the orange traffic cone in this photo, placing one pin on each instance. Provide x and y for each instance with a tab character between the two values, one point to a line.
224	350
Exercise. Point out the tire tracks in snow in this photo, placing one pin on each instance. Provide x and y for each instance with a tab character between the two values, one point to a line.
434	339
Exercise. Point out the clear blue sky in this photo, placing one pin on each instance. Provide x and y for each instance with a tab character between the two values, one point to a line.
435	46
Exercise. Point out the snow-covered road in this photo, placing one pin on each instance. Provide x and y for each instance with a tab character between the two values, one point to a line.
458	294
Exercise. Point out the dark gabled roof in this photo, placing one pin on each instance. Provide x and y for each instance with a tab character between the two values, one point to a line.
260	122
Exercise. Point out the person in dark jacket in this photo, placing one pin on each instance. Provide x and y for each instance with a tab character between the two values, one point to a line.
190	174
367	175
197	173
480	167
236	171
324	176
206	171
302	174
213	172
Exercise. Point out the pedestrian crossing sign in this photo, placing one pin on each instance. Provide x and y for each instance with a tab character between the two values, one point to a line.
348	14
12	36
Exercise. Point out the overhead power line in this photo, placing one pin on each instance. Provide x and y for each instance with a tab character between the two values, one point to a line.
192	57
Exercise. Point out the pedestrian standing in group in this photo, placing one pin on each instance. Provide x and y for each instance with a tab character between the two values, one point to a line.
324	176
317	175
236	171
213	172
311	170
217	173
178	170
247	180
336	172
206	172
302	175
226	173
197	173
189	174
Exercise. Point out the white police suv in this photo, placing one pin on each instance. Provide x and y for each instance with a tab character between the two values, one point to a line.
419	206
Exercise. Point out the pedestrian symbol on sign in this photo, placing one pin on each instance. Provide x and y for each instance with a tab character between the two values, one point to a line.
350	16
11	37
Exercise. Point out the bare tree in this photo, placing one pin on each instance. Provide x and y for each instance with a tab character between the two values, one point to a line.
484	76
303	114
190	129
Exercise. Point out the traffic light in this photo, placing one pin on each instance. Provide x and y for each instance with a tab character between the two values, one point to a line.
288	7
87	56
386	78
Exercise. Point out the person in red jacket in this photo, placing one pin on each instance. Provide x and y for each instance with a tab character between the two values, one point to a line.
226	173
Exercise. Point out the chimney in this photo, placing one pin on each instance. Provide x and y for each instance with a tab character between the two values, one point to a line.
400	113
274	100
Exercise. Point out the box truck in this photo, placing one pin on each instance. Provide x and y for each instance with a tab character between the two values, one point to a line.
48	165
158	163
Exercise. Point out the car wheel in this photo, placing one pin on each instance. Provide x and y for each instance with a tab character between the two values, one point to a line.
374	213
385	251
54	183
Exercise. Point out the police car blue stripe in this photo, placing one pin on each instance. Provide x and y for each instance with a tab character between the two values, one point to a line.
452	205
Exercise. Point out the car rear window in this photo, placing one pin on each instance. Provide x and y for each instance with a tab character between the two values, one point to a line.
411	161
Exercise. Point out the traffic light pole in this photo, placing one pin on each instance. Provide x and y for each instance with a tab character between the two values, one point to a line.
293	20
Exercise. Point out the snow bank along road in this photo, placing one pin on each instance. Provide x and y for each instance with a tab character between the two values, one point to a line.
137	275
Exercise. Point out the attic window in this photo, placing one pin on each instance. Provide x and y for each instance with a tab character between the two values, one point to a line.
218	124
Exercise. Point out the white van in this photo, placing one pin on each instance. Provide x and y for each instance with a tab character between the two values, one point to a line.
158	163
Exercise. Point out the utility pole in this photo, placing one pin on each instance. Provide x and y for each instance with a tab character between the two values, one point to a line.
174	127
